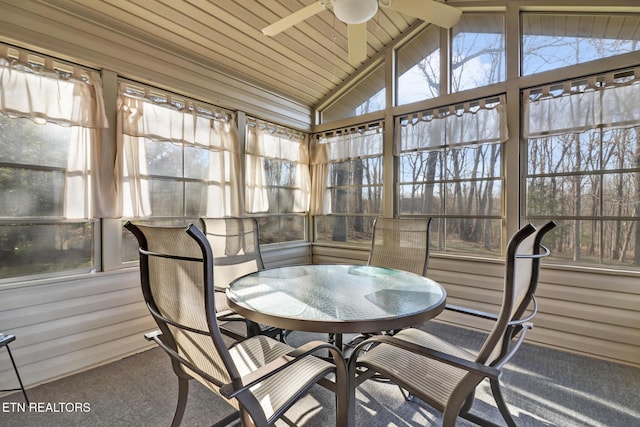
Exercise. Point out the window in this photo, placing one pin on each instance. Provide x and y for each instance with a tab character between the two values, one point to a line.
49	116
477	51
347	175
583	169
180	160
419	67
450	167
277	180
367	96
551	41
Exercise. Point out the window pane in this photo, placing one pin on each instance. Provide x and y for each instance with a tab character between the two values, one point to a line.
419	67
45	248
166	197
367	96
595	242
421	199
478	51
473	198
552	41
344	229
196	163
356	172
129	246
164	158
564	153
357	200
195	199
31	193
281	228
473	162
475	236
422	166
28	143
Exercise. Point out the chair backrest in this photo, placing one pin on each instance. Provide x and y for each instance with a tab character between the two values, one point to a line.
236	247
176	266
401	243
524	252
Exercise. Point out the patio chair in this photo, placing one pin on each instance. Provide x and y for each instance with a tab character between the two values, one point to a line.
259	376
401	243
236	252
446	376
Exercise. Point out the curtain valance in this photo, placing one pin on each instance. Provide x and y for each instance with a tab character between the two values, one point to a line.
478	122
272	141
348	143
149	114
46	91
611	100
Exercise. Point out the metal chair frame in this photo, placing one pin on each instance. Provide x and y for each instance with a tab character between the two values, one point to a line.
4	342
506	337
218	363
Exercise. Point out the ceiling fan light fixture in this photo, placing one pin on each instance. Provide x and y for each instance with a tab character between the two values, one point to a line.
355	11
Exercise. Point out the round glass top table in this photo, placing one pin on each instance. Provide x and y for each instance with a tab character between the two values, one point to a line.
336	298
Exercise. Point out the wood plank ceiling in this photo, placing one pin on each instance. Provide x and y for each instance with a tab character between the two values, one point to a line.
304	63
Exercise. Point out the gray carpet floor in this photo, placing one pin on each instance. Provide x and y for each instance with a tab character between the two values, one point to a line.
543	387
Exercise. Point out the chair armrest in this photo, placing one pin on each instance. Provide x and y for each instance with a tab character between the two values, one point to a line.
244	383
153	335
471	312
449	359
525	322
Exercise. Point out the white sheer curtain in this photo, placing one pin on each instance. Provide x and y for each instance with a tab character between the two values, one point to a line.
338	146
145	116
72	97
480	122
611	101
266	141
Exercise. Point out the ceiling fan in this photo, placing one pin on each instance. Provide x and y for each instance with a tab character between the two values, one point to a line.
356	13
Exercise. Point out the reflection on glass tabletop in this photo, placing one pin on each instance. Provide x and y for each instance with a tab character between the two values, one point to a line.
326	293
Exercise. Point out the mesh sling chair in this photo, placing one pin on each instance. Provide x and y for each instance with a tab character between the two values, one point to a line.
236	252
260	377
401	243
444	375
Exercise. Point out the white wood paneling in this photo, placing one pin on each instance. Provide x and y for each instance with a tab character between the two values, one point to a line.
286	254
72	324
576	312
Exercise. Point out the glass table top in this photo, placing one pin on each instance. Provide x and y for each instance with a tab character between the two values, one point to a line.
336	298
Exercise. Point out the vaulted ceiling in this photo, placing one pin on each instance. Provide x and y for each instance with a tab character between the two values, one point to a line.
304	63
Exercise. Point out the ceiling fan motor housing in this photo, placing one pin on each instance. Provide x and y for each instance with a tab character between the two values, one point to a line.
355	11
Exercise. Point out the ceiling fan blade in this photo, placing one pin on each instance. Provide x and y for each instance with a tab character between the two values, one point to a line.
432	11
293	19
357	34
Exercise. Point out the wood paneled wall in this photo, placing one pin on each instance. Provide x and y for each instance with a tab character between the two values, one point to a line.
70	325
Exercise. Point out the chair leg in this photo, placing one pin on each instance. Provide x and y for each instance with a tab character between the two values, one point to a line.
15	368
183	392
502	405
